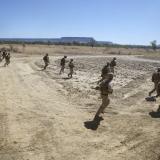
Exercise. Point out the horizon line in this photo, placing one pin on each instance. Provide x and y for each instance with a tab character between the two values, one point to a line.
76	37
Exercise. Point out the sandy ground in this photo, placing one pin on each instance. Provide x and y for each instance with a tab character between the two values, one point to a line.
42	114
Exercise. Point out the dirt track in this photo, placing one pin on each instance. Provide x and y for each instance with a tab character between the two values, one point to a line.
41	118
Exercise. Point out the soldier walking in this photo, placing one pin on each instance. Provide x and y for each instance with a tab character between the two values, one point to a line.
7	59
4	54
46	61
105	89
63	63
71	66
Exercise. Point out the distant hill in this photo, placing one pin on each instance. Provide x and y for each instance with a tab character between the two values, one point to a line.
77	39
81	40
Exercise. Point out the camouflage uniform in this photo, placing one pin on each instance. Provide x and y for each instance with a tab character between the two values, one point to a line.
4	54
105	89
105	71
155	80
46	61
71	66
63	62
7	59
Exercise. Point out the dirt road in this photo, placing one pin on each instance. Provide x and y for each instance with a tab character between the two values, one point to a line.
38	122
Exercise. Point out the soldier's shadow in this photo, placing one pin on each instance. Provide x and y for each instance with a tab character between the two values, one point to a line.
93	125
154	114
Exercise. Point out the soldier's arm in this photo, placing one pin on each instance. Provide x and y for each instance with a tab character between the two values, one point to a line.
100	81
158	92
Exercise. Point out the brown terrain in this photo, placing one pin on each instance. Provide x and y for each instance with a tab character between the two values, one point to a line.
42	113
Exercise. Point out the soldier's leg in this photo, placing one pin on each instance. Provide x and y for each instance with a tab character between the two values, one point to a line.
105	103
8	62
5	64
158	110
71	72
45	66
153	90
62	70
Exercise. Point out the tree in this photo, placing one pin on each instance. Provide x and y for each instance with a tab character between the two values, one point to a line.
154	45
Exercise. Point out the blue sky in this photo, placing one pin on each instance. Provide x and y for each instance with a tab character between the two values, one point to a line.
119	21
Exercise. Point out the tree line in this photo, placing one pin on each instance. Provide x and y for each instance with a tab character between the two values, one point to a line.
153	44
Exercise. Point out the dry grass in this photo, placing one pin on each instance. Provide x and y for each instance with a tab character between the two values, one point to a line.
76	50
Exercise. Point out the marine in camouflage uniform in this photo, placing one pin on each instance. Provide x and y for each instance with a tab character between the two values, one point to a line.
63	63
105	89
7	59
71	66
3	56
113	64
155	80
46	61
